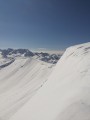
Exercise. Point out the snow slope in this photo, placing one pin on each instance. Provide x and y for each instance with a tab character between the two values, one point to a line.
19	81
66	95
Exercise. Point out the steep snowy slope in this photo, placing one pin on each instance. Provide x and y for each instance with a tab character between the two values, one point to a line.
19	81
66	95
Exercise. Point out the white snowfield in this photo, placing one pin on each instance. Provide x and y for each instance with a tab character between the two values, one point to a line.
66	95
19	81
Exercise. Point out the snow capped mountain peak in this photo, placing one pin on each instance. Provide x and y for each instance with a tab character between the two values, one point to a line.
16	52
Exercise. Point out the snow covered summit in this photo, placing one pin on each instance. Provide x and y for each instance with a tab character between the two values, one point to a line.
66	94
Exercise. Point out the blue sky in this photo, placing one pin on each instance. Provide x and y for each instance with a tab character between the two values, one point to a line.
51	24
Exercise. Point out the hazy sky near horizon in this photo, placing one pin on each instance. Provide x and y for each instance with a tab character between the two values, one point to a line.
51	24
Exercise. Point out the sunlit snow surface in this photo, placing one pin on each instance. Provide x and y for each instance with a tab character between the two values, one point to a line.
19	81
66	95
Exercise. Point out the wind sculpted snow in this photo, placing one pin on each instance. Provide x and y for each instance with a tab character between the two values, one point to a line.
66	94
19	81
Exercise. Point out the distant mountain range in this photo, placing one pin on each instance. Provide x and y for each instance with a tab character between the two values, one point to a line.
13	53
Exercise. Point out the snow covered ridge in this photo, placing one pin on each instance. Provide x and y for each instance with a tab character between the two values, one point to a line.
22	74
19	82
66	94
13	53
